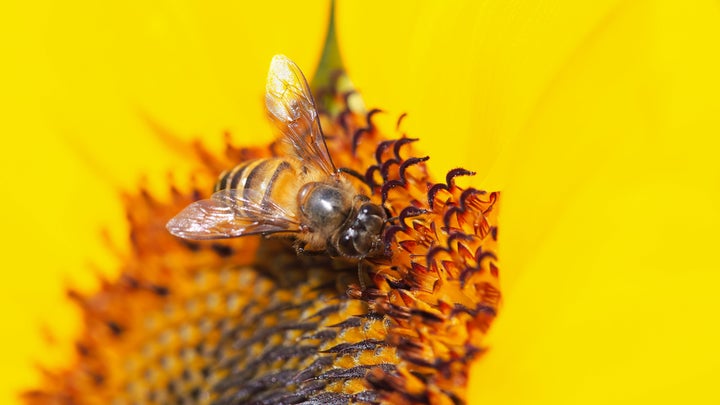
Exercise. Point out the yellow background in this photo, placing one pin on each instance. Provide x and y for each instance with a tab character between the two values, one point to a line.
598	122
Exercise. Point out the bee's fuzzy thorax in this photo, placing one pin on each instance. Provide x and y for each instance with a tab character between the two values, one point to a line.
248	321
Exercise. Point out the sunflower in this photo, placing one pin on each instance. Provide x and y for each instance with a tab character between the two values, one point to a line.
597	121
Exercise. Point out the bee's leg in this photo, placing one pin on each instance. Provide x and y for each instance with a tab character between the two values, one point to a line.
299	247
300	250
360	276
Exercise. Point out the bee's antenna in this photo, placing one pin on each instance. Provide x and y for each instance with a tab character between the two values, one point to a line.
408	212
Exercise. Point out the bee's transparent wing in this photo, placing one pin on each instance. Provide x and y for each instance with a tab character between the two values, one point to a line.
291	107
232	213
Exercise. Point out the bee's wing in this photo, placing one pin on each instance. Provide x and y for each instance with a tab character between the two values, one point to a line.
232	213
291	107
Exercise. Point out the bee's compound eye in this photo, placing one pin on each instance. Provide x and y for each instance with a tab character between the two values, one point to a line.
364	242
371	210
346	243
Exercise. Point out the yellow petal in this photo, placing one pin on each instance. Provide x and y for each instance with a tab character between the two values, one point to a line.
625	271
79	79
598	121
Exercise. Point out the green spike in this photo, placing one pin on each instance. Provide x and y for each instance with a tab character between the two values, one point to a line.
330	60
330	76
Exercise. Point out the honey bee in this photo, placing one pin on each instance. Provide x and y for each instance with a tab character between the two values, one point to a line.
300	193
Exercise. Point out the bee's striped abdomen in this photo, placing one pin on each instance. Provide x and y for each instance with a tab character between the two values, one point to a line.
261	180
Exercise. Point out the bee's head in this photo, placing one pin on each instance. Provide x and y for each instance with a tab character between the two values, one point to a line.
361	235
